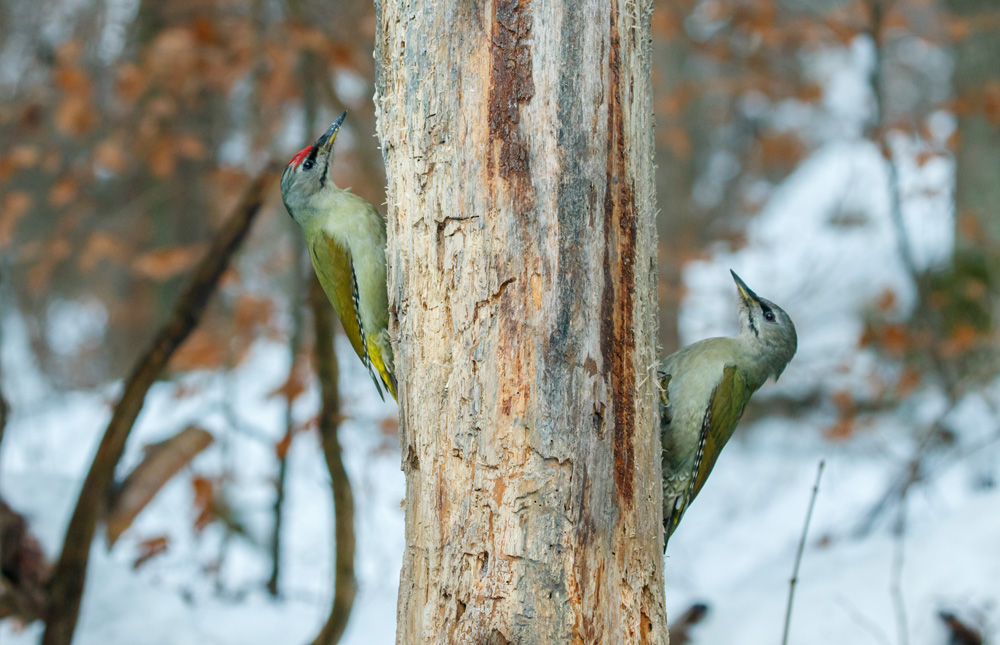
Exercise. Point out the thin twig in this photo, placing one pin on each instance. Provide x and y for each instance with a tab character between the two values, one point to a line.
345	585
71	571
863	621
798	554
294	348
896	585
877	10
3	402
913	472
300	283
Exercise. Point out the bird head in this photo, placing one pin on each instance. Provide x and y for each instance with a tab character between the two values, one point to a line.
766	329
307	174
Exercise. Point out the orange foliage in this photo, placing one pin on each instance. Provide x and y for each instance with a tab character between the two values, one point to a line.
163	264
991	103
253	311
101	246
676	139
130	83
908	381
781	148
75	115
962	339
150	548
293	386
843	428
203	350
110	154
13	207
281	448
204	501
893	338
887	302
63	192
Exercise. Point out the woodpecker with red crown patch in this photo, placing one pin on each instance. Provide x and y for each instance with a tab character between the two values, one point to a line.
346	239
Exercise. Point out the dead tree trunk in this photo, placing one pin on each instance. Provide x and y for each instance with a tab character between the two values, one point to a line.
518	142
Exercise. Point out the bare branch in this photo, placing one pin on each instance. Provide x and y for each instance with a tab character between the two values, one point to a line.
343	500
896	585
71	570
798	554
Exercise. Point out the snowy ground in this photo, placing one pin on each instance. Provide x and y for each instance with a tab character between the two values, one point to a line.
824	248
734	550
176	598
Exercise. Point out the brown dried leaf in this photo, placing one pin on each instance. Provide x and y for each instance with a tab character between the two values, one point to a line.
190	147
281	448
101	246
389	426
204	501
991	103
15	205
75	115
110	154
163	460
202	350
150	548
163	264
131	83
162	158
962	339
293	386
252	312
908	382
887	301
63	192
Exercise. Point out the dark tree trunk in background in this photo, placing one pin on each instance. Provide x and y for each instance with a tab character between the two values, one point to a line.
518	139
977	157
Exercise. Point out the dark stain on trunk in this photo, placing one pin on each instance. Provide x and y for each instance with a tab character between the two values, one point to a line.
617	302
511	85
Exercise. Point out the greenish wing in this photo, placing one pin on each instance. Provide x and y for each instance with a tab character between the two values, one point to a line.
725	408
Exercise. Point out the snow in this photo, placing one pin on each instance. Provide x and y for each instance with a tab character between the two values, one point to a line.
173	598
824	248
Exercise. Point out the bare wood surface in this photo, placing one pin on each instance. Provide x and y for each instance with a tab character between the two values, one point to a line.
521	247
71	570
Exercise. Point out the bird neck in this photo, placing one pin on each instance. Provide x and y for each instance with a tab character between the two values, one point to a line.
755	361
329	204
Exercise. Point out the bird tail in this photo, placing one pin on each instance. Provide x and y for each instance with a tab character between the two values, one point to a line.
380	355
671	518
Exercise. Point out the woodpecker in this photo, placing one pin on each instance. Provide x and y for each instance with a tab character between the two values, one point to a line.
704	389
345	236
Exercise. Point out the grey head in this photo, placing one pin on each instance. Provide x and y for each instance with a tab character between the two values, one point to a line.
308	173
766	329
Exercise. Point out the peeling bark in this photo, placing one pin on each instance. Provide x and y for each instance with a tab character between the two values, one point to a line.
518	143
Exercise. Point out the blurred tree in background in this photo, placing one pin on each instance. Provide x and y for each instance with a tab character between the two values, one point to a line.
130	128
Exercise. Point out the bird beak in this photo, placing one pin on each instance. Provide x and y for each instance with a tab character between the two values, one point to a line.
745	292
325	143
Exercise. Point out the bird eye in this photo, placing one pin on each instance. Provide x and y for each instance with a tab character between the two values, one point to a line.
769	316
308	164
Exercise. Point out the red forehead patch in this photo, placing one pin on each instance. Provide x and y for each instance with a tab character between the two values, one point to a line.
297	159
